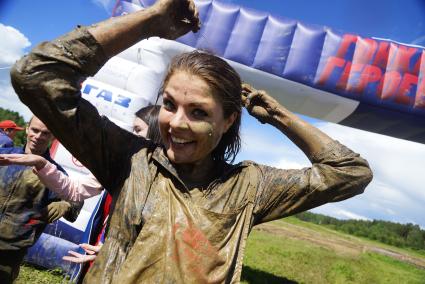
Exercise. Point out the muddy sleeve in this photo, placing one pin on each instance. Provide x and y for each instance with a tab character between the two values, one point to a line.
48	81
336	174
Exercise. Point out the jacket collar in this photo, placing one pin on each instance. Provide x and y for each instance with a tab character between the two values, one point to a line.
161	158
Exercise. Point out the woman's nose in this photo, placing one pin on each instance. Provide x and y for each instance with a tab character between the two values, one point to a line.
179	121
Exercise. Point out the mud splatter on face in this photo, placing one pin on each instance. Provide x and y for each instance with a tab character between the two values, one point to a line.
191	119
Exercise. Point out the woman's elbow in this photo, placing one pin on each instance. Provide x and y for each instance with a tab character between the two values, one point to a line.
19	77
364	175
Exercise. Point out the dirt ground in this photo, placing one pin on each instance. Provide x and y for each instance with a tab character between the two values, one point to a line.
341	245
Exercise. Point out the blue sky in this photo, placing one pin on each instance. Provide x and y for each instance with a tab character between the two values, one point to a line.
397	192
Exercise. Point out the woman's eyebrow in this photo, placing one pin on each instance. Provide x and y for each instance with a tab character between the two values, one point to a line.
168	94
199	104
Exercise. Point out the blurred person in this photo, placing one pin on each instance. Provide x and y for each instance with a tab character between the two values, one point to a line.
80	188
8	129
26	205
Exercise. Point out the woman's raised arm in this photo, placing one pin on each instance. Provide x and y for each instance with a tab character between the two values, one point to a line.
48	81
337	173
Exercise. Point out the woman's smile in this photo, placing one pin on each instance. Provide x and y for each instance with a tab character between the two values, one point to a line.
191	119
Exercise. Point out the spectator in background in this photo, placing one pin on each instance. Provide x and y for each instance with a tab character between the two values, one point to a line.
146	123
26	205
8	129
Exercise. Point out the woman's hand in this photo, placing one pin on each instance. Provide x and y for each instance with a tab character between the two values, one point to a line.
23	159
260	105
267	110
82	258
179	17
168	19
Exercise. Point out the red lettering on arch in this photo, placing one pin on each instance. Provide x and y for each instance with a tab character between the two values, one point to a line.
370	74
420	91
402	95
420	95
365	49
381	56
342	82
331	64
352	82
389	84
347	40
403	55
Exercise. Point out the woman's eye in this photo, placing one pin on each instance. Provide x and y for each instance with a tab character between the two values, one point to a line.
168	105
199	113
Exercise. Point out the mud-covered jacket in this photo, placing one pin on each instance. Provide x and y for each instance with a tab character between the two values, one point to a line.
160	230
5	140
23	204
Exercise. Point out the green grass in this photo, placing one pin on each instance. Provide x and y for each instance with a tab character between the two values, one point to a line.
32	274
277	259
272	258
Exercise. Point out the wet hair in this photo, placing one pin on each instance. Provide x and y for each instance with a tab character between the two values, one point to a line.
149	115
225	83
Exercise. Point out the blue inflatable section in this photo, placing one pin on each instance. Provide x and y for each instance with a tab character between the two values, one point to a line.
385	77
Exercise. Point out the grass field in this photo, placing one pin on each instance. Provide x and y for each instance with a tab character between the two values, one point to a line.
293	251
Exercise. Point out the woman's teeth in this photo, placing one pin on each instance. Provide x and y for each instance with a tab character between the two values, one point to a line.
179	140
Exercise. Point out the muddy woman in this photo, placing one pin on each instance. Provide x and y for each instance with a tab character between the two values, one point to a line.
183	211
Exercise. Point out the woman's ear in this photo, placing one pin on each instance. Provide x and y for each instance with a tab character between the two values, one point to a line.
229	121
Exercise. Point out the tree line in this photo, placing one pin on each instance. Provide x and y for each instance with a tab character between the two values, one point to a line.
395	234
6	114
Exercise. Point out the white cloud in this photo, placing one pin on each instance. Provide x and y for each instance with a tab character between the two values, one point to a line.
264	144
12	45
396	193
106	4
395	162
344	214
12	48
9	100
290	164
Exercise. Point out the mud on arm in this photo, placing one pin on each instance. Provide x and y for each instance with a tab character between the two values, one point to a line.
48	81
337	173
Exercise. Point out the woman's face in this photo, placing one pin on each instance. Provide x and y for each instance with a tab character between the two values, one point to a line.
140	128
191	119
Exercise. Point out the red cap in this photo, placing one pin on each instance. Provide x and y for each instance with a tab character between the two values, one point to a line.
9	124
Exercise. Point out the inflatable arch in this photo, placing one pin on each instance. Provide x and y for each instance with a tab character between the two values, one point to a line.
367	83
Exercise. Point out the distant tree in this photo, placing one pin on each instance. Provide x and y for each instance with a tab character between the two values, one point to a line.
20	137
415	238
400	235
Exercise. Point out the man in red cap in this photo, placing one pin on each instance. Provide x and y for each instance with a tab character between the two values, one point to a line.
8	129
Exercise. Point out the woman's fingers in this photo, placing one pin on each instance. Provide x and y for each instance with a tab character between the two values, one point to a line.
76	254
78	257
19	159
195	18
90	249
85	258
258	103
10	157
